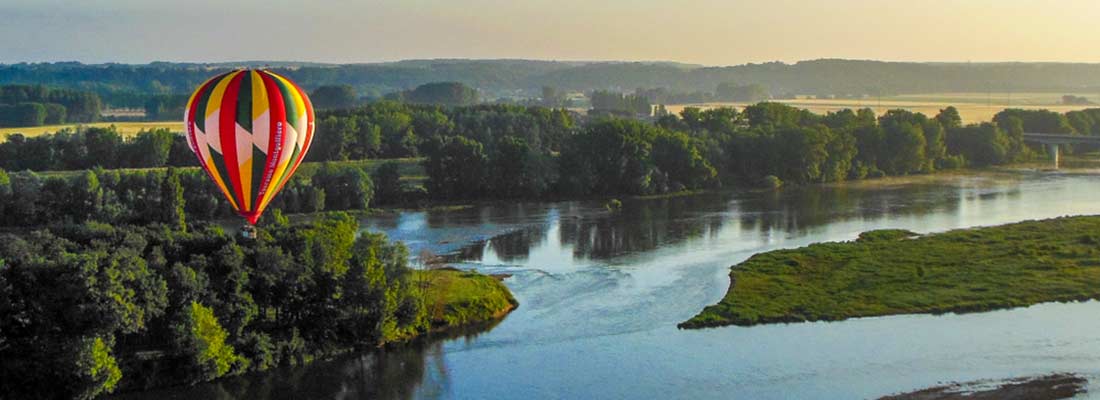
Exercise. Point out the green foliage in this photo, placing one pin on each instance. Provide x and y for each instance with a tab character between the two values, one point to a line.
980	145
771	182
197	304
456	167
613	205
949	118
891	272
345	187
387	183
441	93
27	105
334	97
203	340
22	114
97	368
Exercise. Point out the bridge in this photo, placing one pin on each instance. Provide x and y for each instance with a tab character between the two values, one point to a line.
1053	140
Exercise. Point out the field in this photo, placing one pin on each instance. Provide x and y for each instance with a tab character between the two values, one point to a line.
896	272
124	128
973	107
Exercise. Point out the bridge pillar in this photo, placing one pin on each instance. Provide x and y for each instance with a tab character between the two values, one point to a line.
1052	148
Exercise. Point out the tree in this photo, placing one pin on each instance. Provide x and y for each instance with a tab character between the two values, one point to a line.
442	93
346	187
949	117
22	114
518	170
149	149
104	147
334	97
980	145
172	202
456	168
202	340
5	192
904	142
86	199
387	183
674	155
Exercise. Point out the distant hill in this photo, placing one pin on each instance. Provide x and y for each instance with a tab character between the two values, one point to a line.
523	78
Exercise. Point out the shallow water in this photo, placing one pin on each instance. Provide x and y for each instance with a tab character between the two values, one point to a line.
600	295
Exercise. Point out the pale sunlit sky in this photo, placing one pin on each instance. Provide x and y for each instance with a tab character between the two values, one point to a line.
710	32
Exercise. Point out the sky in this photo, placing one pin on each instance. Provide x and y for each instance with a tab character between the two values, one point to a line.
709	32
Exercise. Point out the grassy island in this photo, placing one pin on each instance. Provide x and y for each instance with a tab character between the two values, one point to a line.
457	298
898	272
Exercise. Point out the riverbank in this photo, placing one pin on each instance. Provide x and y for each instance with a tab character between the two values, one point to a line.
1047	387
896	272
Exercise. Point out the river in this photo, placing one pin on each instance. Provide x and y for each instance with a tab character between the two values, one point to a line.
601	293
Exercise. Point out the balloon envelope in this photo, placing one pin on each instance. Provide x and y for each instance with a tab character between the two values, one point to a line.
250	130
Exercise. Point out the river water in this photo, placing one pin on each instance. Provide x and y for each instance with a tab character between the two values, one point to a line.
601	293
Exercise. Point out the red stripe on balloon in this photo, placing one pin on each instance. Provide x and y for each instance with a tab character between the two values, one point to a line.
227	132
276	134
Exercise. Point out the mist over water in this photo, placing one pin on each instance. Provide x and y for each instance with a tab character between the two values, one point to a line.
600	294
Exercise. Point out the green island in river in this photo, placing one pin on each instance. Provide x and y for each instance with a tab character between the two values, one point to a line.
888	272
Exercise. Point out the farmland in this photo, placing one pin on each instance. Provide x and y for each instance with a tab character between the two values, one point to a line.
124	128
973	107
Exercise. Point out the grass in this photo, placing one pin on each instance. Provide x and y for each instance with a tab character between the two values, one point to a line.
973	107
124	128
894	272
456	298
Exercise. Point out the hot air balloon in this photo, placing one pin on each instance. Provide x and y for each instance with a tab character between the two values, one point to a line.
250	130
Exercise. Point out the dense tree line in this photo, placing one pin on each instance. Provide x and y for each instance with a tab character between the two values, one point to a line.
392	130
163	195
766	142
34	105
506	151
86	148
86	309
383	129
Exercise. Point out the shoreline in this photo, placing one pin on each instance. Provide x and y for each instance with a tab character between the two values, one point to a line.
1039	387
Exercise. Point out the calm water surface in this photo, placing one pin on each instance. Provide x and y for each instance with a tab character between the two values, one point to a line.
600	296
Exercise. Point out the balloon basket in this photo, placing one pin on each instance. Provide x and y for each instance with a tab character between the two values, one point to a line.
248	232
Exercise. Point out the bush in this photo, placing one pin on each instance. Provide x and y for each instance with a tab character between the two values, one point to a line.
771	182
886	235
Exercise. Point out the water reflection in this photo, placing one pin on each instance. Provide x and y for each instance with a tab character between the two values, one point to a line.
411	370
645	225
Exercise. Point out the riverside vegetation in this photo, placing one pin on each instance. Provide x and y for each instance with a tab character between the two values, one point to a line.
898	272
91	308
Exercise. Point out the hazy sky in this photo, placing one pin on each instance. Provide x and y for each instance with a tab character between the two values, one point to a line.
694	31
